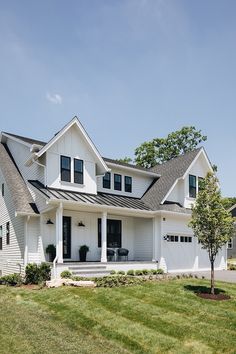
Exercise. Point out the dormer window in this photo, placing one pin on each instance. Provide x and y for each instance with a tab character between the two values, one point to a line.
128	184
78	171
107	180
65	169
192	186
117	182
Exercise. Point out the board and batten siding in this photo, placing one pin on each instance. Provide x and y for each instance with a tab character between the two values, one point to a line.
140	183
11	256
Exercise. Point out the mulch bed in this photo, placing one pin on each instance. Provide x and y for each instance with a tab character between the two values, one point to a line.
218	297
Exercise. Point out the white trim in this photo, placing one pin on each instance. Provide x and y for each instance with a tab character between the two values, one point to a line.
152	174
170	190
18	140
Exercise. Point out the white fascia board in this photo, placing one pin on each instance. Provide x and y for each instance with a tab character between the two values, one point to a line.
202	151
135	170
170	190
87	138
23	213
15	139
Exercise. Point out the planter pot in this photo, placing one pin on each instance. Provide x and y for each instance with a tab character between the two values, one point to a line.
82	256
51	256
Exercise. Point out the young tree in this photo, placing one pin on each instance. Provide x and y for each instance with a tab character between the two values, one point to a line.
211	223
160	150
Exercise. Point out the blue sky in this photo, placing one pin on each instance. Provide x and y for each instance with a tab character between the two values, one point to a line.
131	70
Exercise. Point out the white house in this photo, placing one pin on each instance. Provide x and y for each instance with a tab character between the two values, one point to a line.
65	193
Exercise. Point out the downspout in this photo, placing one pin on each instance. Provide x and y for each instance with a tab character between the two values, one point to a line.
26	241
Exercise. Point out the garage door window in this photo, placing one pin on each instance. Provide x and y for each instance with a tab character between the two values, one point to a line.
172	238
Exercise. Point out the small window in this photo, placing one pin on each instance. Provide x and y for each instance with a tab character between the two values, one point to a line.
117	182
8	233
107	180
185	239
78	171
192	186
3	190
128	184
172	238
230	244
0	238
65	169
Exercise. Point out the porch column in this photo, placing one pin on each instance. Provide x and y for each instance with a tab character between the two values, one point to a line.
155	239
59	234
104	237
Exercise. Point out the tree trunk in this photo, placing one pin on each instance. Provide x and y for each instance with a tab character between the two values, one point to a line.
212	278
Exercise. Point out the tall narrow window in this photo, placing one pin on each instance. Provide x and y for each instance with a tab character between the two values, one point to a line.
128	184
8	233
0	238
107	180
78	171
2	189
117	182
65	168
230	244
192	186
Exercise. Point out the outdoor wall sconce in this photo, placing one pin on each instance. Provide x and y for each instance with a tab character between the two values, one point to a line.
49	222
165	238
81	224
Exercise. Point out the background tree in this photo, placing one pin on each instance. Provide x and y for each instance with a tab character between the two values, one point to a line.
211	222
160	150
125	159
229	202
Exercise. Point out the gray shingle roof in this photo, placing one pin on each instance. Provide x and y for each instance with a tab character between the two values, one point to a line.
100	198
120	163
26	140
170	172
21	197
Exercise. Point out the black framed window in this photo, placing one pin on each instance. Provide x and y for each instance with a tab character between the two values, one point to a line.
3	190
65	169
185	239
128	184
0	238
78	171
117	182
172	238
8	233
113	233
192	186
107	180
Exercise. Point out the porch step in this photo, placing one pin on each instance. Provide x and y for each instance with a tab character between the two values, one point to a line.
87	267
92	273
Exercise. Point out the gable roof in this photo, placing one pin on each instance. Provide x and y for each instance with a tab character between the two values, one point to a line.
170	172
25	139
125	165
21	197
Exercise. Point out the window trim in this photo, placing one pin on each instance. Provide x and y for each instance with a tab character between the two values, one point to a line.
106	180
1	240
79	172
65	169
117	189
189	186
3	190
128	184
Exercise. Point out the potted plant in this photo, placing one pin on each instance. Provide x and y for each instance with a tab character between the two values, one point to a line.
83	253
51	251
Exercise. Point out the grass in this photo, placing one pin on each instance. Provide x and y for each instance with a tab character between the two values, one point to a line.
156	317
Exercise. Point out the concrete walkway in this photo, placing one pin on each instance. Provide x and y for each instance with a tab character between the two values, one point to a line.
228	276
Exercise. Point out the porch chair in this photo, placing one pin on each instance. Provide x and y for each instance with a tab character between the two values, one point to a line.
110	254
123	252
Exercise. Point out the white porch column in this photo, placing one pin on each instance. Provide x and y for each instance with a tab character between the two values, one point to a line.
26	240
59	234
104	237
155	239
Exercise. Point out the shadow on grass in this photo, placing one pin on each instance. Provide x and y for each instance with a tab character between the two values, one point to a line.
200	289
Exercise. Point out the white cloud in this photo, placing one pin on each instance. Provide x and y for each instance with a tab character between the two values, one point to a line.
54	98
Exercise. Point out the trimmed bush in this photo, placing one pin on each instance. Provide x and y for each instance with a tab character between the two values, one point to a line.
44	272
112	272
35	274
11	279
232	266
146	272
111	282
138	272
121	272
131	272
66	274
160	271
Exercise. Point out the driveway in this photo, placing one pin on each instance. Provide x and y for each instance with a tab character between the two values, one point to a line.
222	275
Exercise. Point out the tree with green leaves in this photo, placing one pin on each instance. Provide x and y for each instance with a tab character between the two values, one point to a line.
211	222
160	150
125	160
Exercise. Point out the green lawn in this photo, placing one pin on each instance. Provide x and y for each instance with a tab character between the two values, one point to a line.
157	317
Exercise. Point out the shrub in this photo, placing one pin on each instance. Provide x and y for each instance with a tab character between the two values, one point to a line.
232	267
11	279
153	271
160	271
35	274
121	272
111	282
131	272
145	271
66	274
112	272
138	272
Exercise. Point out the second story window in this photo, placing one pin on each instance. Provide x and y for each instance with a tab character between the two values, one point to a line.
78	171
2	189
106	183
0	238
117	182
65	169
8	233
192	186
128	184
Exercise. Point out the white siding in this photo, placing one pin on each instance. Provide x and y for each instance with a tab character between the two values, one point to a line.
34	240
11	257
140	183
71	144
143	239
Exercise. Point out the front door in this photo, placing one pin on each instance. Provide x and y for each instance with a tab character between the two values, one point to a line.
66	237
